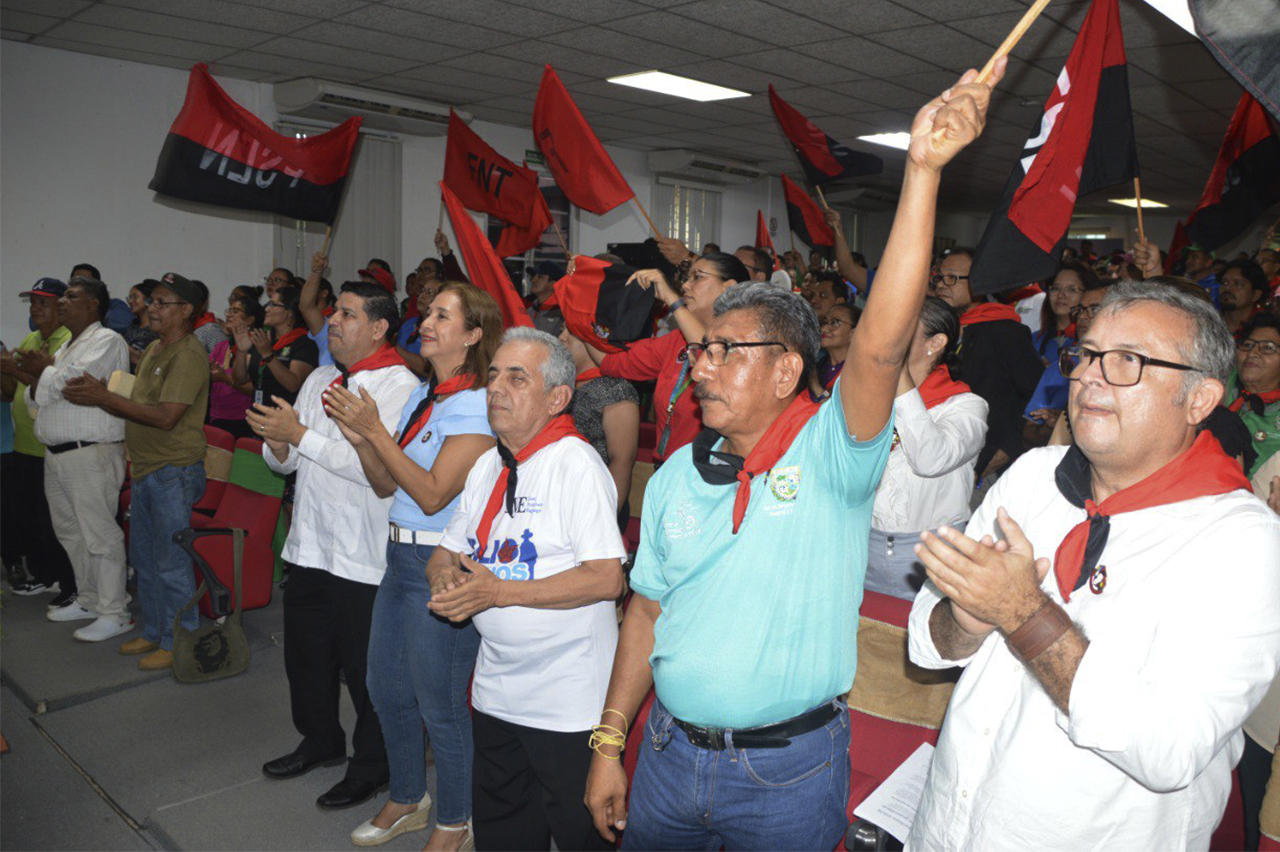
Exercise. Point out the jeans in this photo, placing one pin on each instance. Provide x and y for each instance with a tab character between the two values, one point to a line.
685	797
419	669
161	506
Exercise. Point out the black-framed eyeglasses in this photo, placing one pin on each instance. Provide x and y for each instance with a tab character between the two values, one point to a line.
1264	347
1089	311
717	351
948	278
276	279
1120	367
165	303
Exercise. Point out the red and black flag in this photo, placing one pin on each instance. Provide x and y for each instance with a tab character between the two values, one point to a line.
762	238
823	159
486	181
580	164
1082	143
1245	180
598	306
217	152
807	220
483	265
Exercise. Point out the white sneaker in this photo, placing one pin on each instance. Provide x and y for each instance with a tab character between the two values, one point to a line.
103	628
71	612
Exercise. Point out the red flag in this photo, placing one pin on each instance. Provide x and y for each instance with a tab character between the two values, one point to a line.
485	180
1063	159
1245	180
1180	241
518	240
806	218
581	166
823	159
762	239
217	152
483	265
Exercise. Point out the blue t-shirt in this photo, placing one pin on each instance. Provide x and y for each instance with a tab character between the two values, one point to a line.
408	329
463	413
1052	390
760	626
322	343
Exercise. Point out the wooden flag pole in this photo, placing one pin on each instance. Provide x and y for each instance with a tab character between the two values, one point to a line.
1137	197
564	245
821	197
328	234
645	213
1013	38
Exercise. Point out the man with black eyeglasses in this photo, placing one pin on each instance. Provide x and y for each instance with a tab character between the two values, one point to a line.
1254	389
1115	604
753	554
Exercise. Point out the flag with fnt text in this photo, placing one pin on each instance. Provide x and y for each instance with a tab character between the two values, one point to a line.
217	152
581	166
483	264
1083	142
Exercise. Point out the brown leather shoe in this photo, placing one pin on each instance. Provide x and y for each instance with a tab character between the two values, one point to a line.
156	661
138	646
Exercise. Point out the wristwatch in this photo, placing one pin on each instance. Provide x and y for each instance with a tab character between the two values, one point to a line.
675	306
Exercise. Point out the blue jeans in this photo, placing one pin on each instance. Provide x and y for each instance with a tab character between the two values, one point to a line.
685	797
161	506
419	668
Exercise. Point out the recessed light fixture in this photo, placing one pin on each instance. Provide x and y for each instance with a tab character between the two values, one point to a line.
900	140
681	87
1133	202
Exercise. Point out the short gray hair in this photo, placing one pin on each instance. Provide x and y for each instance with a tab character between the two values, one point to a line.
783	316
558	369
1210	349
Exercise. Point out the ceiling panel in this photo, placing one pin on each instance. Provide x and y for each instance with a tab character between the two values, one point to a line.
862	18
426	27
346	57
787	64
139	42
167	25
492	14
868	58
26	22
693	36
224	12
757	19
375	41
52	8
586	11
314	8
619	46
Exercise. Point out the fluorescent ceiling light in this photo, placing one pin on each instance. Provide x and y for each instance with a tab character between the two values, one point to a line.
901	139
681	87
1133	202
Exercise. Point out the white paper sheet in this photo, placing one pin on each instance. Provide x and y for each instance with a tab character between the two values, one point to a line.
893	804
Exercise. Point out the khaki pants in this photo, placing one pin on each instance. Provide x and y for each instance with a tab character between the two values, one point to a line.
83	490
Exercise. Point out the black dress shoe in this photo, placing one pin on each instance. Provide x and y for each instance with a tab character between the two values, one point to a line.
295	763
346	793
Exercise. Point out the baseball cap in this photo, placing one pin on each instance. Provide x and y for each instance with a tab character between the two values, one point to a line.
50	287
1195	247
382	276
181	287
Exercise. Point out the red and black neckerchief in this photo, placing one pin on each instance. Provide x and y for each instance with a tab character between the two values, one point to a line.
422	413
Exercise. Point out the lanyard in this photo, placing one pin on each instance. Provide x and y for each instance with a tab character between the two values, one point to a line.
681	385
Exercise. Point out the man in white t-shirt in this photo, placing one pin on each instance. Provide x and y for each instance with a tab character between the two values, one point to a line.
1126	624
533	555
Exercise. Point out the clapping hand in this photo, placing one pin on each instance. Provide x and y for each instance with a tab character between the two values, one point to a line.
477	593
261	341
357	413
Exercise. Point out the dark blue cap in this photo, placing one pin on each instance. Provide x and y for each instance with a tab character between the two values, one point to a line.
46	287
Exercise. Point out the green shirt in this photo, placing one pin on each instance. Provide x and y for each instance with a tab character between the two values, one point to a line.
1264	427
24	425
178	372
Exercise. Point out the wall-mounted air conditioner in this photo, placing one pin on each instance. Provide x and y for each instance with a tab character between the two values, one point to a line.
706	167
326	101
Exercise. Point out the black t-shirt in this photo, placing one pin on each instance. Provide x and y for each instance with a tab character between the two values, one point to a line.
999	362
265	384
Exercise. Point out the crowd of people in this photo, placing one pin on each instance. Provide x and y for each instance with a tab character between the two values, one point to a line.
1076	483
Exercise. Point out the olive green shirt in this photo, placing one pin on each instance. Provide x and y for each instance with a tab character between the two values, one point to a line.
178	372
24	425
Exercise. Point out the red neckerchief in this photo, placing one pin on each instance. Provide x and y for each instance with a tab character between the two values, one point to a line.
204	320
1069	331
1203	470
329	311
422	413
989	312
286	339
773	444
1025	293
557	428
938	387
386	356
1262	399
588	375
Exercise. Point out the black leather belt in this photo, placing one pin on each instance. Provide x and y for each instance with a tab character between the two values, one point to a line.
70	445
776	735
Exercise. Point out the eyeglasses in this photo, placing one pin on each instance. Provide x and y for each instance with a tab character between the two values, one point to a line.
1089	311
1066	291
1264	347
718	350
831	322
274	305
276	279
948	279
1120	367
164	304
698	275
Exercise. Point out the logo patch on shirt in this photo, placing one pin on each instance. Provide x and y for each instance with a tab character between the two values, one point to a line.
507	559
784	482
681	523
426	436
1098	580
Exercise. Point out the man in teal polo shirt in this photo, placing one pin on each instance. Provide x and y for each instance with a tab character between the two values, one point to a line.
753	553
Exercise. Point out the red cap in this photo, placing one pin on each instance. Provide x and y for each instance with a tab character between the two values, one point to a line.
382	276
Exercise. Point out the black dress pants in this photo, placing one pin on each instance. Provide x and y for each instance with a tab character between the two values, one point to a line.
24	496
527	788
326	629
1254	772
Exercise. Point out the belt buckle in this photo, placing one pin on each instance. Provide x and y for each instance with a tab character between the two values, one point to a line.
708	738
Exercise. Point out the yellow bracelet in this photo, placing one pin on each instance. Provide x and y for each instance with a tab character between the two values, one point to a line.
626	723
601	736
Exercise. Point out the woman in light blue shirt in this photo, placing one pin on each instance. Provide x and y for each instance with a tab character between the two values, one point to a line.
420	664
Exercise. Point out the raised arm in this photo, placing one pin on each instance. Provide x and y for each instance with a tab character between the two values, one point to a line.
849	270
879	346
309	298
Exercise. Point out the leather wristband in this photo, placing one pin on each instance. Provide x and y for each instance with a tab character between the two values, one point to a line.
1039	631
675	306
